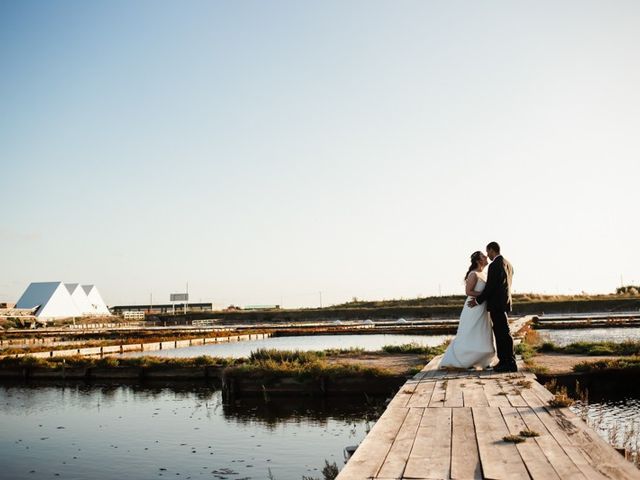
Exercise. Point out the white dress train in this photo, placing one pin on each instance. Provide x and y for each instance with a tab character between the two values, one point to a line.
473	344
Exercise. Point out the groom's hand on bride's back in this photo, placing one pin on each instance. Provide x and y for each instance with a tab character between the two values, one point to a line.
472	302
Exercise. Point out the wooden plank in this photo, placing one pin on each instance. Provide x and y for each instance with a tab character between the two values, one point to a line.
453	392
437	399
403	396
474	395
494	393
431	454
514	394
465	459
590	467
499	459
552	448
602	455
370	454
396	460
536	462
422	395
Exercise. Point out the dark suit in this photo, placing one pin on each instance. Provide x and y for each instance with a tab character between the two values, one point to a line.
497	294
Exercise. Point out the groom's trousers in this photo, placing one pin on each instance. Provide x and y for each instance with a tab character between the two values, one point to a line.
504	341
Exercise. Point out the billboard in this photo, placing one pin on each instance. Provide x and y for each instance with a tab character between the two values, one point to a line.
179	297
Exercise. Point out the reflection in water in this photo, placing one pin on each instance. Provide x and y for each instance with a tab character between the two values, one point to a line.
617	420
565	337
136	432
311	342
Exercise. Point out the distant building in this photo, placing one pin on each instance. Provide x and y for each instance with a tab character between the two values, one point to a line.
51	300
161	308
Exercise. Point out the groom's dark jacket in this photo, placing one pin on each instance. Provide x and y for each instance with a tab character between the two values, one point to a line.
497	291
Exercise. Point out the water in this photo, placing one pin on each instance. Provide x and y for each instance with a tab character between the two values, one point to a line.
617	420
307	342
125	432
565	337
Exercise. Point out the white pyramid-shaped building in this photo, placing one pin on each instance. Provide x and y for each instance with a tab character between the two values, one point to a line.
79	298
96	304
52	300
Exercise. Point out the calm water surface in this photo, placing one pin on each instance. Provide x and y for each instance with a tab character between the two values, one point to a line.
565	337
123	432
310	342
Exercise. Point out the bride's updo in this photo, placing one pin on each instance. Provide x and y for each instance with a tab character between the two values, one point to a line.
475	257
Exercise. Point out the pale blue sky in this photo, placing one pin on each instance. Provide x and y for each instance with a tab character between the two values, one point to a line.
266	151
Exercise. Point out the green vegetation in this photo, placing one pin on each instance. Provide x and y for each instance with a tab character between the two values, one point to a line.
416	348
631	363
78	361
285	363
629	347
264	362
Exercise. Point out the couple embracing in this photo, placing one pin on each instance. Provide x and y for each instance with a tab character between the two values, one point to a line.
484	316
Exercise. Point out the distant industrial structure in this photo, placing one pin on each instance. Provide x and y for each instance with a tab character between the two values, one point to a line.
54	300
128	311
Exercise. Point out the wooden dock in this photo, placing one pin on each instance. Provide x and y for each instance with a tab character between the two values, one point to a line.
450	425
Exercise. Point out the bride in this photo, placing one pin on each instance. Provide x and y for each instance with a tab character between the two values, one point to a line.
473	344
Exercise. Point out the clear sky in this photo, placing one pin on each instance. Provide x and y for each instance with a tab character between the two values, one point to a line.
268	151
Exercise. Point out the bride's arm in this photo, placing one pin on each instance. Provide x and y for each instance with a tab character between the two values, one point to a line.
470	284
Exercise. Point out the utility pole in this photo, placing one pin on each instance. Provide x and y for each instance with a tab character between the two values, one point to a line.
320	298
187	299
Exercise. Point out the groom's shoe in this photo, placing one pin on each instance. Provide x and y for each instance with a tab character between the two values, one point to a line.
505	368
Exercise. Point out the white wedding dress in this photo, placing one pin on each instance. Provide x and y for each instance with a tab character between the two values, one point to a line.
473	344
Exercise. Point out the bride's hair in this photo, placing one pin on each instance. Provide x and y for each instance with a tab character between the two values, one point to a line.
475	256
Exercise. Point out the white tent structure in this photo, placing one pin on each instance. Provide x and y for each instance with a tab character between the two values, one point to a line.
96	303
79	298
51	300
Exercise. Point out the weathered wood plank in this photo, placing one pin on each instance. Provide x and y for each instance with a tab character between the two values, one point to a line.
589	464
465	459
499	459
602	455
553	449
396	460
422	395
402	397
534	459
453	392
437	399
496	396
370	454
431	454
474	395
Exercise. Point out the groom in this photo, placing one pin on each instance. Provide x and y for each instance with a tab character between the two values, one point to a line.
497	294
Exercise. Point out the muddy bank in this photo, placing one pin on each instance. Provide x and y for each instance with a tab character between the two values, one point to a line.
374	373
596	385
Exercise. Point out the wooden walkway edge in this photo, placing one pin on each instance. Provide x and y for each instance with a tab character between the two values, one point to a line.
451	424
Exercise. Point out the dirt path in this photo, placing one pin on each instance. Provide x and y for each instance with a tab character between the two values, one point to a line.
563	363
396	363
